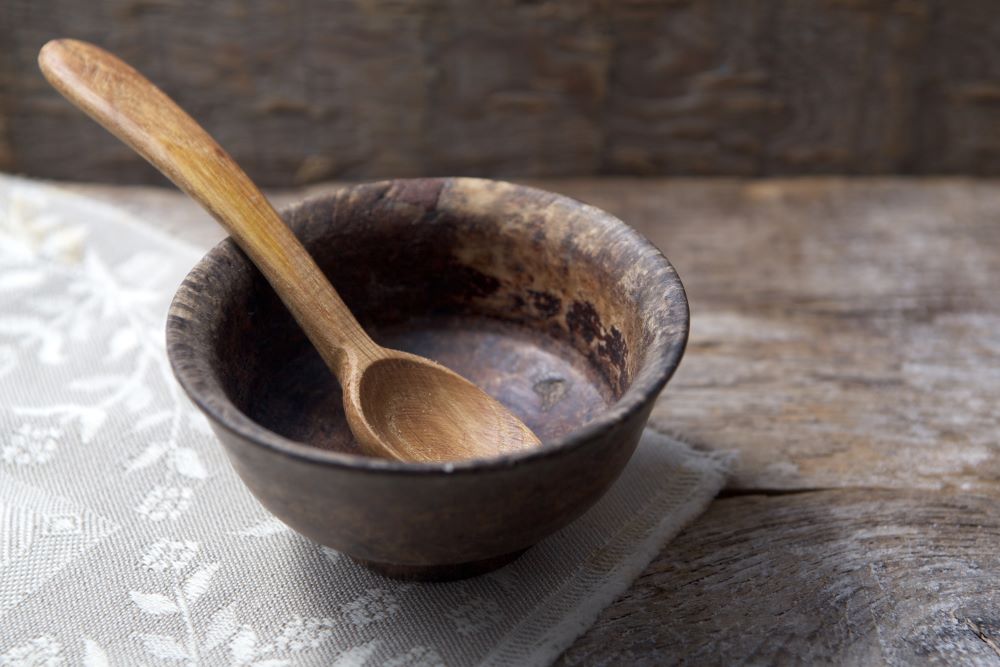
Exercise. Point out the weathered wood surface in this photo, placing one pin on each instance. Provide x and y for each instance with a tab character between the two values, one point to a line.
300	92
844	333
846	343
850	577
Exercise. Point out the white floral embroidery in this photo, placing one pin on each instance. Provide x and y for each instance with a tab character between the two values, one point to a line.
29	232
418	656
94	654
301	633
62	524
475	615
184	584
165	502
171	558
331	555
116	303
266	528
169	554
243	646
41	651
8	359
31	445
187	462
377	604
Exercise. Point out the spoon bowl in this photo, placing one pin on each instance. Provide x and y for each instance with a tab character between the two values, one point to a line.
430	413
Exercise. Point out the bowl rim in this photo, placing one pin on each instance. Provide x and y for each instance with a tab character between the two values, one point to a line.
647	384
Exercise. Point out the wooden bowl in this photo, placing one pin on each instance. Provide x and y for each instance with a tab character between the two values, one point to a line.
558	309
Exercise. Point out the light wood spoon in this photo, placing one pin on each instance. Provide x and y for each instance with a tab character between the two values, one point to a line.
398	405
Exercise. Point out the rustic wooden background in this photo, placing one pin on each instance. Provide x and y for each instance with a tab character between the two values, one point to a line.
317	89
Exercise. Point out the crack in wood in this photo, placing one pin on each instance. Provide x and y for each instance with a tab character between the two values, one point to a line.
981	634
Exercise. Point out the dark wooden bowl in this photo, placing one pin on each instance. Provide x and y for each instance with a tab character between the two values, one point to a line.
561	311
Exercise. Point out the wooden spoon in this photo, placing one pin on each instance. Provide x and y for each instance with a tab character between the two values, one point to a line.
398	405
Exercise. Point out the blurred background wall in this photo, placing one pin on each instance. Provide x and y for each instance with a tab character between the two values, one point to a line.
308	90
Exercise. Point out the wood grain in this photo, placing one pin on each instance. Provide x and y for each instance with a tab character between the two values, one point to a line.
849	577
301	92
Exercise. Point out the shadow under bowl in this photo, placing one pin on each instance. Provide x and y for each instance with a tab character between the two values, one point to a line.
557	309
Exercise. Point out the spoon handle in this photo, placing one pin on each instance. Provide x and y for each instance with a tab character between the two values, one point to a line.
140	114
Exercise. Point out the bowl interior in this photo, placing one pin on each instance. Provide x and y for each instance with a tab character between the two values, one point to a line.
546	383
511	287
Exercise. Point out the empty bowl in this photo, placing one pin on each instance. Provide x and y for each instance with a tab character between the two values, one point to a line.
558	309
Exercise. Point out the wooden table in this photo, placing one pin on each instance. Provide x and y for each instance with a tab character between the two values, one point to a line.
846	345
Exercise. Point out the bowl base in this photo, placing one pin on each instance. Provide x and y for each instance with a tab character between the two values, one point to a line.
448	572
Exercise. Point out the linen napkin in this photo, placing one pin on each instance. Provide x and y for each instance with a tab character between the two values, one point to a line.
126	538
